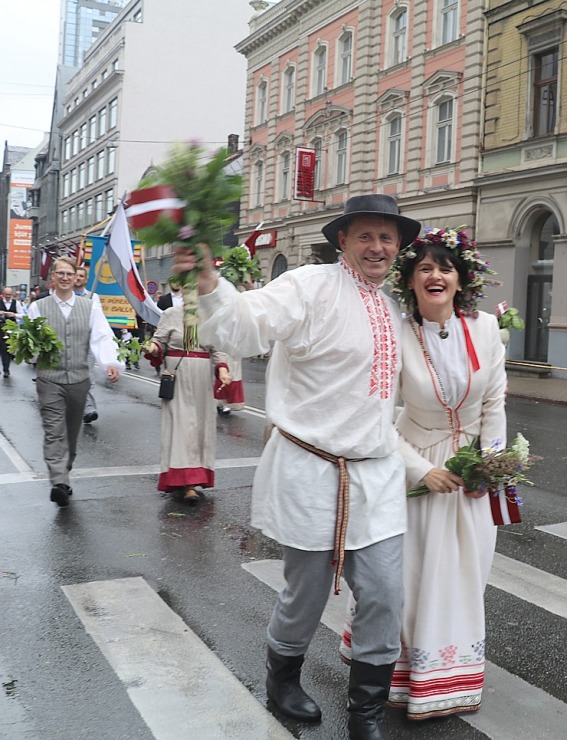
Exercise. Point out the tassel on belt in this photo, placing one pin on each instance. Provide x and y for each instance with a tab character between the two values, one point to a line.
343	500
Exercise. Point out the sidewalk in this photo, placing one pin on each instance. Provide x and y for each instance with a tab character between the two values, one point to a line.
553	390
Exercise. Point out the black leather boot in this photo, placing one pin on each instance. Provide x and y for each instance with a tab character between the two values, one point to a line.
368	689
283	688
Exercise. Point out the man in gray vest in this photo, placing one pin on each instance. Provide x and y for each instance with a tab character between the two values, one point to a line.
81	326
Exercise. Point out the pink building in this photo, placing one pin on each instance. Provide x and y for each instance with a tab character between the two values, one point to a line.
387	94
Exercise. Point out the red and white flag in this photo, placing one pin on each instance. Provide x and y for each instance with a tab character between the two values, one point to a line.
121	261
250	242
46	258
145	206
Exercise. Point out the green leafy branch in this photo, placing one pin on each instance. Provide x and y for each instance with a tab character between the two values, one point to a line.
511	319
34	341
239	268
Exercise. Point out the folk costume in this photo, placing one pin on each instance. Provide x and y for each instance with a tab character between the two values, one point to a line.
188	421
451	538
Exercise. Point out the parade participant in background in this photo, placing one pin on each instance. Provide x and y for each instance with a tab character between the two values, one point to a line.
453	386
10	308
331	389
173	298
81	279
81	326
188	426
230	397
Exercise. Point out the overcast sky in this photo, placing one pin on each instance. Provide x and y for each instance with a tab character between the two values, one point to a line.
29	36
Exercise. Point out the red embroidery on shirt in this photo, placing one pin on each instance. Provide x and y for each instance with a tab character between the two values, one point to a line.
385	356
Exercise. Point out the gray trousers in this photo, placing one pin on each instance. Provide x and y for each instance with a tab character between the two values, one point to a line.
61	408
90	405
374	575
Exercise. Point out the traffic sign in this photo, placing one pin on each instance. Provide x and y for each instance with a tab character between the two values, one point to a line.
151	287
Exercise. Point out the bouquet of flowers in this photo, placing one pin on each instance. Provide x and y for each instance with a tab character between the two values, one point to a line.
34	341
200	197
239	268
496	471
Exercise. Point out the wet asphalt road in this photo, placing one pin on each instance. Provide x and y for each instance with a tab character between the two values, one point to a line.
55	682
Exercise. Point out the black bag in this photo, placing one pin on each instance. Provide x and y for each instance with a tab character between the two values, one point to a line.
167	383
167	386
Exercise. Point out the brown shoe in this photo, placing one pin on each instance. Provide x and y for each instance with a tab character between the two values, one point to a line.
190	495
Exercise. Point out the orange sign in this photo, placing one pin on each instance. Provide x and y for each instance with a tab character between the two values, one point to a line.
19	244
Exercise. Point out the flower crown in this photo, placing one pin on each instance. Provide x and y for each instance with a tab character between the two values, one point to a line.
457	240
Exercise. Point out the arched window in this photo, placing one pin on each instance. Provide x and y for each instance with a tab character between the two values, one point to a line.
279	266
285	175
344	58
399	36
444	130
288	89
341	159
262	102
319	79
258	184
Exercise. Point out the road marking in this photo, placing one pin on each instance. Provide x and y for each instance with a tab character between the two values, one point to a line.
13	455
559	530
173	679
120	471
511	707
543	589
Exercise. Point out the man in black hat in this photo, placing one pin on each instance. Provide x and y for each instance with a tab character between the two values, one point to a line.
330	486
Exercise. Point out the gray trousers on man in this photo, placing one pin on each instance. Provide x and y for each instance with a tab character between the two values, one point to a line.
61	407
374	574
90	405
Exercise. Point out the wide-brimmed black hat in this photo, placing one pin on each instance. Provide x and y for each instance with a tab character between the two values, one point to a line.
375	204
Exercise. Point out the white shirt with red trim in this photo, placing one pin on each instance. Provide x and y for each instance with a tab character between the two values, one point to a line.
332	382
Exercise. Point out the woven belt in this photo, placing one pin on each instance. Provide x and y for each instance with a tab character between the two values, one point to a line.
341	521
183	353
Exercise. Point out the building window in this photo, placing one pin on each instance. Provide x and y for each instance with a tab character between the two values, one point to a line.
285	173
82	137
262	102
98	207
342	143
546	67
110	160
444	133
288	90
320	70
92	129
75	143
345	58
137	17
115	65
394	145
399	38
73	181
67	148
81	175
72	219
64	222
66	190
258	191
88	212
109	200
94	84
279	266
90	170
449	10
102	121
80	215
112	112
100	165
318	174
103	75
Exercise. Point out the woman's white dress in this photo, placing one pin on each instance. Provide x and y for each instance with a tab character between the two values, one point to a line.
188	420
449	546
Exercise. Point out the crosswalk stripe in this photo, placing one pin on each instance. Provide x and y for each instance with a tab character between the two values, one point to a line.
507	701
559	530
175	682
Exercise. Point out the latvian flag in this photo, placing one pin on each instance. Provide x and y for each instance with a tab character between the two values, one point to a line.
121	261
147	205
505	506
